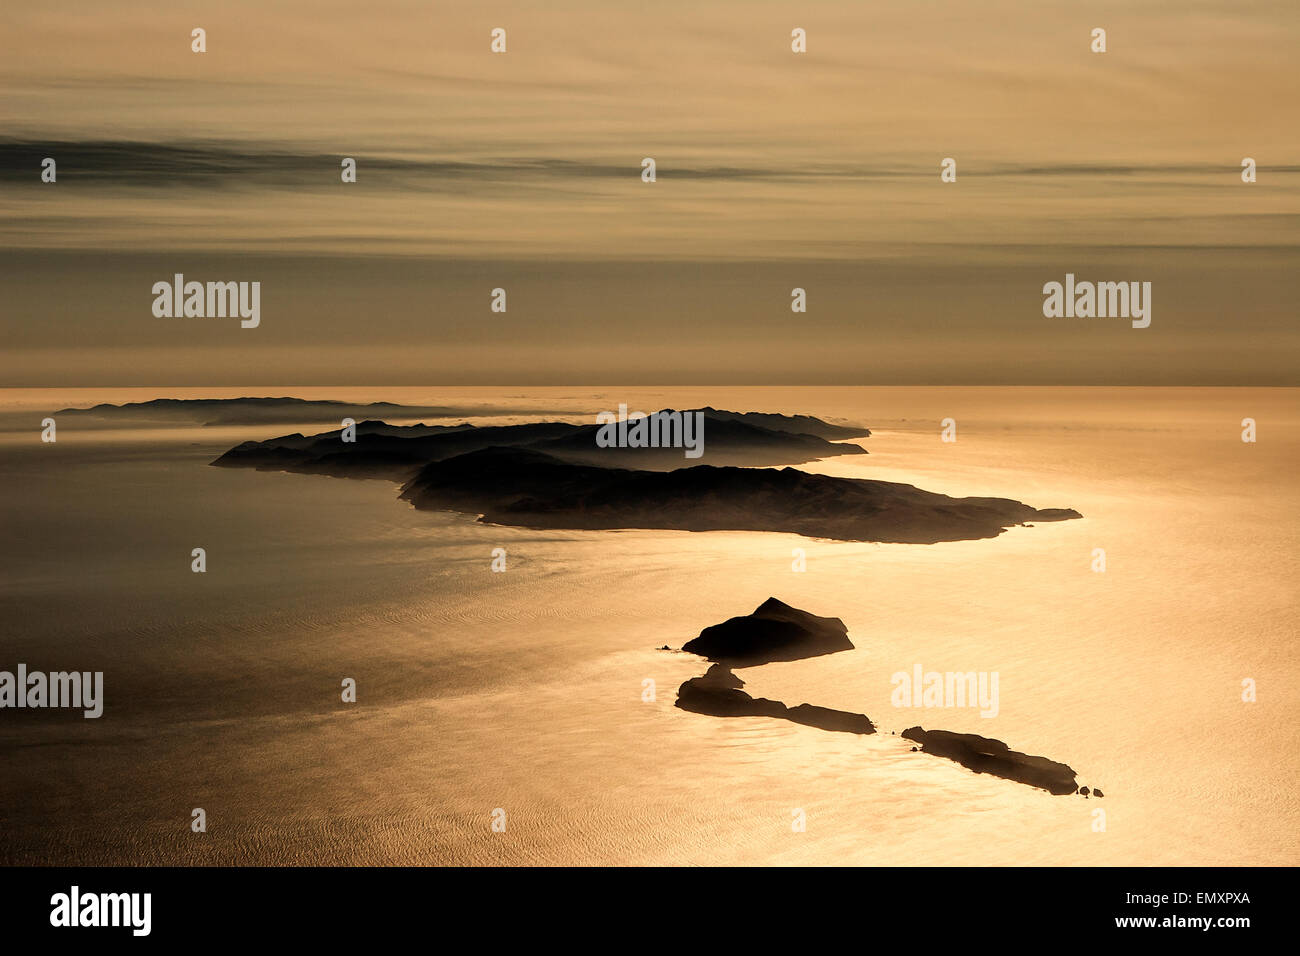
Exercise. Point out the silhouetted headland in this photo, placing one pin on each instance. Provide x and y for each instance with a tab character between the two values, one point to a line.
797	424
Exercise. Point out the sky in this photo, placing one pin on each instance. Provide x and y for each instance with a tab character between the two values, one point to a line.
774	171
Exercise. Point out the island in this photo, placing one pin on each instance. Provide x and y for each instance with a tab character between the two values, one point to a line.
774	632
529	489
555	475
986	755
718	694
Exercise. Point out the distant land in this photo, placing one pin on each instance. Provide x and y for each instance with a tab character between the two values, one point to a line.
778	632
271	411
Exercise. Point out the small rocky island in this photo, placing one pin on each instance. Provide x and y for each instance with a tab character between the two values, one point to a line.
778	632
774	632
718	694
985	755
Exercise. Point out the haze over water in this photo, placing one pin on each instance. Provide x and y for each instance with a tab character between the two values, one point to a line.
523	690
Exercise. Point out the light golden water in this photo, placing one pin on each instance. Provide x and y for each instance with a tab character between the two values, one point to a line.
523	690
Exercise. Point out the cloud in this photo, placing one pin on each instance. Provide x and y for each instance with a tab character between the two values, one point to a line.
207	163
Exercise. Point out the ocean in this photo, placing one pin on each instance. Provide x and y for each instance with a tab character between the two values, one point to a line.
537	696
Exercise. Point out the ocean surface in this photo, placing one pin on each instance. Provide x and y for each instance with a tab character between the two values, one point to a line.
524	691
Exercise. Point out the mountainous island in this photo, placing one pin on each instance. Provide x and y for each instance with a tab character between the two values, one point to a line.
554	475
533	490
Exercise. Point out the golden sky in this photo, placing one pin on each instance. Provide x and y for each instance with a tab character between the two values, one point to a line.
774	170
